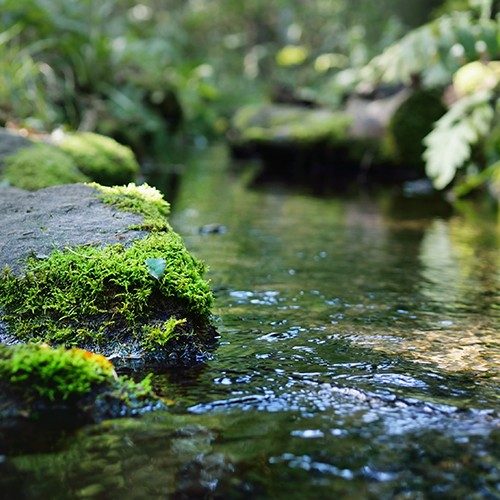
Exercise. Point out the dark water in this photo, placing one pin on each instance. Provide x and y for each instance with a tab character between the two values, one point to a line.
358	358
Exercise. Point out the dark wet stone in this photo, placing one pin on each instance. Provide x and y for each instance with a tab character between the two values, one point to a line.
202	475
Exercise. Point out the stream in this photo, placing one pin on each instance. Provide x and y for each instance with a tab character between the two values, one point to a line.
358	358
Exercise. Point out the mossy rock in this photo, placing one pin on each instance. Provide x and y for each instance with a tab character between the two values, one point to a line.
38	166
412	121
37	380
101	158
123	284
284	124
10	143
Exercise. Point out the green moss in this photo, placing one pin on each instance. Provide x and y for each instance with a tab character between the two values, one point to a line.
40	166
53	373
143	200
159	336
412	121
101	158
63	297
289	124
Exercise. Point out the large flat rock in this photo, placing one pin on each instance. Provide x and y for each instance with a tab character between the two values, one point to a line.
36	223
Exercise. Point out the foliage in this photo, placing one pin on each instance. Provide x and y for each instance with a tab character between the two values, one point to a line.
449	145
40	166
55	374
156	267
143	200
436	50
22	82
453	49
412	121
134	70
101	158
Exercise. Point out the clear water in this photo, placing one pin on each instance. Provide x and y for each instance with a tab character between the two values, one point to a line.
358	357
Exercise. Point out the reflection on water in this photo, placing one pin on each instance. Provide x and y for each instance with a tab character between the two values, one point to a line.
358	357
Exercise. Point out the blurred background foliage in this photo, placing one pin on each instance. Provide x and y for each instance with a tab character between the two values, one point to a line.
148	71
119	66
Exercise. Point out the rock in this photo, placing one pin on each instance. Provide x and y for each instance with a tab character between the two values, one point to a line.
64	159
101	158
370	117
365	141
34	224
78	271
203	475
40	165
38	382
286	124
10	143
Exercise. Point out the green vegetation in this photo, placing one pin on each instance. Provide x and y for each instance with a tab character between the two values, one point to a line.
136	71
282	124
40	166
29	372
55	374
457	49
156	76
159	336
411	123
143	200
60	298
101	158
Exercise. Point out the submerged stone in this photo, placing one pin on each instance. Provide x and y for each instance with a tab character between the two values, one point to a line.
77	272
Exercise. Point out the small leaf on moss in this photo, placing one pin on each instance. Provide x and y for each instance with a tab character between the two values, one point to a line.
156	267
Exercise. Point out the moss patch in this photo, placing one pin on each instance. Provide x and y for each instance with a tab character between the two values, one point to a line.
413	120
101	158
289	124
53	373
40	166
143	200
159	336
38	381
59	298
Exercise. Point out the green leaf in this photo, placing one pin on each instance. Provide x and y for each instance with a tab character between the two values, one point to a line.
450	143
156	267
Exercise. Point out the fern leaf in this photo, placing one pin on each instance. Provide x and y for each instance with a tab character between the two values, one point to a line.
449	145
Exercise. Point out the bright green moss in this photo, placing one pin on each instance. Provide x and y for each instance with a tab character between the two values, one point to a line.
64	296
101	158
143	200
40	166
290	124
53	373
159	336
